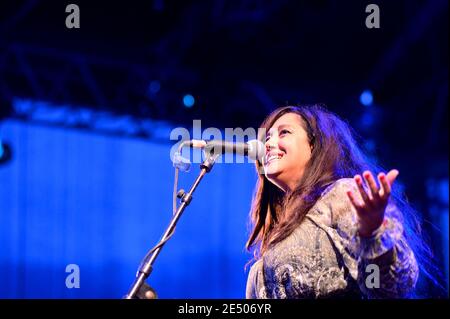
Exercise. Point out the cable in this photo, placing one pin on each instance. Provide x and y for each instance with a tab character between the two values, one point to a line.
175	187
174	210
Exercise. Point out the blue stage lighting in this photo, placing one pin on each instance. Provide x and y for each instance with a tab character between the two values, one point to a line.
5	152
154	87
188	100
366	98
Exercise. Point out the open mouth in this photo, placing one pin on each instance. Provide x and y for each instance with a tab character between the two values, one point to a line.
272	157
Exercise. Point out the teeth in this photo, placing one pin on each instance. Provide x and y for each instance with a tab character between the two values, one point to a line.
272	157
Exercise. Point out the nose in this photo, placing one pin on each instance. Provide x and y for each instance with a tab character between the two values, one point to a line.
270	144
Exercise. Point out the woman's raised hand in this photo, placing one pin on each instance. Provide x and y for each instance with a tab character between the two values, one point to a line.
372	208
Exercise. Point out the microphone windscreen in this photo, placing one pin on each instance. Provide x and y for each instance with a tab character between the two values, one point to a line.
198	143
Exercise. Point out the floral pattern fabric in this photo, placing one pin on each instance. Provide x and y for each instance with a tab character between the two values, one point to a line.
326	258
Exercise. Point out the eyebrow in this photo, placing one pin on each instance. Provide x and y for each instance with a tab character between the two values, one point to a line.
279	127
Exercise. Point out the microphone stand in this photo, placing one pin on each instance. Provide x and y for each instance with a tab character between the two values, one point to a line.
146	266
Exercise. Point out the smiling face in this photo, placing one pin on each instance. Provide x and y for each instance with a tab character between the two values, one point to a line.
287	151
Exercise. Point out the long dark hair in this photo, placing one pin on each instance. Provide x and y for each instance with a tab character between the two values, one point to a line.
335	155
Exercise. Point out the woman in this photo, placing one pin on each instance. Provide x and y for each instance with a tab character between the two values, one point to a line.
320	229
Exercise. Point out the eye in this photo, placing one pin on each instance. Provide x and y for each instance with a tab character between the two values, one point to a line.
267	137
284	131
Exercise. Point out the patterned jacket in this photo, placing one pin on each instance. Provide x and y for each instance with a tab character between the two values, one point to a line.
326	258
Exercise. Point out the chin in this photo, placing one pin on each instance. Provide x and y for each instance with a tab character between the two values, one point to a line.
274	169
273	174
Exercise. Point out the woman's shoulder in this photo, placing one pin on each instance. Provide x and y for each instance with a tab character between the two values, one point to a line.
256	266
340	187
334	202
255	281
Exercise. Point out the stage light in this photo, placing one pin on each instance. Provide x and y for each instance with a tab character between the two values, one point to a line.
366	98
367	120
5	152
188	100
154	87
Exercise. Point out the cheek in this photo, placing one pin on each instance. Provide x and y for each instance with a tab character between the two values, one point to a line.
307	152
304	154
299	148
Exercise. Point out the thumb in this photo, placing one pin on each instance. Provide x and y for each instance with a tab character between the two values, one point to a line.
391	176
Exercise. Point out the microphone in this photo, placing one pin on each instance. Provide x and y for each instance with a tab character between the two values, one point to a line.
254	149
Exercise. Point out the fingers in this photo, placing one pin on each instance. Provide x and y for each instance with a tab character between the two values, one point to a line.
376	193
385	190
354	201
386	182
372	184
362	191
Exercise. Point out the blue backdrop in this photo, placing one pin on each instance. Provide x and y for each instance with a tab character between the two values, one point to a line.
73	197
